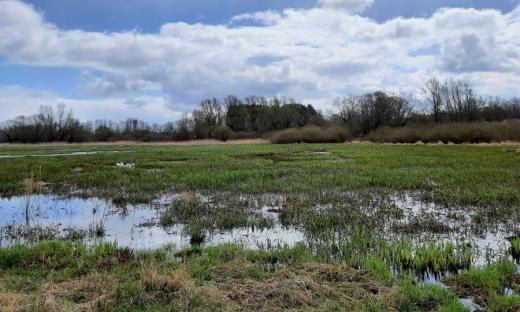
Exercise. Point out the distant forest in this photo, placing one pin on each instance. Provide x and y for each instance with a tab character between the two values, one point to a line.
450	102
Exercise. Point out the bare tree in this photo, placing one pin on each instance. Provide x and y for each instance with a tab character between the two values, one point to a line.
432	90
46	120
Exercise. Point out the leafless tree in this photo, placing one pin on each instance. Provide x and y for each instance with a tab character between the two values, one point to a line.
432	90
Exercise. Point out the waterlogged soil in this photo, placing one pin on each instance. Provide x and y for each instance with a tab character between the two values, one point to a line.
261	221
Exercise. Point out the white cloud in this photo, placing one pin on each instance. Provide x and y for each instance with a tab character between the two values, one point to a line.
265	17
310	54
16	101
352	6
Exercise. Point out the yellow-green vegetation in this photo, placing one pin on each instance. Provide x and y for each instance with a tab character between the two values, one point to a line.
489	286
515	247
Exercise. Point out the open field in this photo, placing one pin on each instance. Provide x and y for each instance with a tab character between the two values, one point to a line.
336	227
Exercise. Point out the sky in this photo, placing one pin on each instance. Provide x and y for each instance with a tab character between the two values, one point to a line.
157	59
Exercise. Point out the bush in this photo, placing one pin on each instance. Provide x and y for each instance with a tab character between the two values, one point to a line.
311	134
223	134
476	132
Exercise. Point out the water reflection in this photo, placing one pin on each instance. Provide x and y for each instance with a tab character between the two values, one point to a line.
23	218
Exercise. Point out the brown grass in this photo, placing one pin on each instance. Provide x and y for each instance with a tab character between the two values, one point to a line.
458	133
304	286
311	134
138	143
152	277
13	302
91	291
188	198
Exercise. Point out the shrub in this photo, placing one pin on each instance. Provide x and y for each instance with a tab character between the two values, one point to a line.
311	134
223	134
476	132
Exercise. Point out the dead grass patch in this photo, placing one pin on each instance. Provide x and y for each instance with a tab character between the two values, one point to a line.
13	302
153	278
309	285
84	294
188	198
32	185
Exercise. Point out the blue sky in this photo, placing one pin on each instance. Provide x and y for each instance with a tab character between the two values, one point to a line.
103	57
117	15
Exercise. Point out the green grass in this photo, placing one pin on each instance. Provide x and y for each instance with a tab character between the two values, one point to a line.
515	247
428	297
469	175
487	285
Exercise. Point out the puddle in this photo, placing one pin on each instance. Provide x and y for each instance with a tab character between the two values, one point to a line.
125	165
135	227
470	304
74	153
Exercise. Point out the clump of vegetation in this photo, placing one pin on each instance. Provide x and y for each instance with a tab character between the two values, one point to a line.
475	132
223	212
427	224
485	284
223	134
427	297
311	134
436	258
515	247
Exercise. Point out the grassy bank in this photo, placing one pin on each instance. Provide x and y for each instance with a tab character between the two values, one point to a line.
54	276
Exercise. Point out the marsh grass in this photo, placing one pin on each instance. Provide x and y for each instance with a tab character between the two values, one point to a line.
344	208
427	297
223	212
485	176
515	248
487	285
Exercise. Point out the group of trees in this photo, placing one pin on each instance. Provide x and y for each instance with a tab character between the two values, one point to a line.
455	101
47	125
223	119
363	114
450	101
258	114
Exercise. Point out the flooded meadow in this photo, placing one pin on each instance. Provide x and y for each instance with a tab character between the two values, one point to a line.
368	227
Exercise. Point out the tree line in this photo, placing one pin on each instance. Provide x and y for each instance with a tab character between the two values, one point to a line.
449	101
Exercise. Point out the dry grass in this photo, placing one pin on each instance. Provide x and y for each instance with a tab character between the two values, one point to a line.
152	277
13	302
458	133
310	285
139	143
188	198
311	134
83	294
32	186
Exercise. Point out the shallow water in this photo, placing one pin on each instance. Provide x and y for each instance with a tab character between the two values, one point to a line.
24	218
135	226
489	244
68	153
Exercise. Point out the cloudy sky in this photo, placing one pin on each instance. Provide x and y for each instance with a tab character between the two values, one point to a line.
155	59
